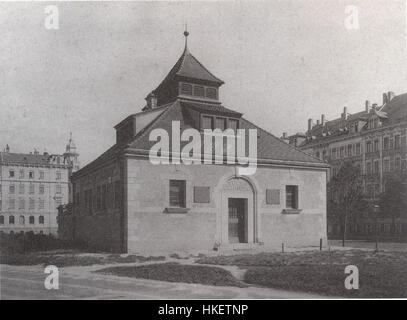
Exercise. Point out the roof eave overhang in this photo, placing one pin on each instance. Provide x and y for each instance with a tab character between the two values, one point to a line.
145	154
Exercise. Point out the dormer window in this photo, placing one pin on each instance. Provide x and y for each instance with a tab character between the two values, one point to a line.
199	91
233	124
217	122
207	122
186	89
212	93
220	123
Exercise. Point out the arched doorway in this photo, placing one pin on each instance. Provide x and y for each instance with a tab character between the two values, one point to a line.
238	212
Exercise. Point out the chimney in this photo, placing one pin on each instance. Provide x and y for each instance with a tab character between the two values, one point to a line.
309	124
367	106
7	148
385	98
345	113
284	135
390	96
317	122
323	121
151	101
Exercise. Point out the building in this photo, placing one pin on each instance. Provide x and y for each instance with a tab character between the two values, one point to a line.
375	140
124	202
32	186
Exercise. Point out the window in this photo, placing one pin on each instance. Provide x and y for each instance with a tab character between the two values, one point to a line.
272	196
376	145
199	91
41	189
11	189
291	198
376	167
31	220
206	122
397	163
368	147
1	219
350	150
21	220
21	204
317	154
211	93
220	123
58	175
186	89
41	219
386	142
358	149
41	204
41	175
368	168
369	190
386	165
58	202
341	152
21	189
58	188
11	204
177	193
104	198
117	194
233	124
98	198
11	219
21	174
31	204
333	153
397	141
375	122
31	174
31	188
11	174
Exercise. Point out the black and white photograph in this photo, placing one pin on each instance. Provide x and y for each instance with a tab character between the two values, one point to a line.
228	151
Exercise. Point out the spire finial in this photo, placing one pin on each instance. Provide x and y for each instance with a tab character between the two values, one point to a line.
186	34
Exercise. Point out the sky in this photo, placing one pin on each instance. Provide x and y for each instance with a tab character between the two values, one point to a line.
282	62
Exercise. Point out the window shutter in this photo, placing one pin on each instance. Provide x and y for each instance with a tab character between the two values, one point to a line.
202	195
273	196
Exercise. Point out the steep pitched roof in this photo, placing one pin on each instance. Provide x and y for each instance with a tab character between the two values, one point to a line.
396	109
25	159
269	147
188	66
392	112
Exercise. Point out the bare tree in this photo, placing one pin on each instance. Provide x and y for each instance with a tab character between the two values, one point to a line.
346	193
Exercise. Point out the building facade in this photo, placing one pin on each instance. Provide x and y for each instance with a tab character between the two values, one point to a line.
132	204
373	139
32	187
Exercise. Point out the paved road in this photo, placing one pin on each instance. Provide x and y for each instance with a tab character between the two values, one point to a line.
80	283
